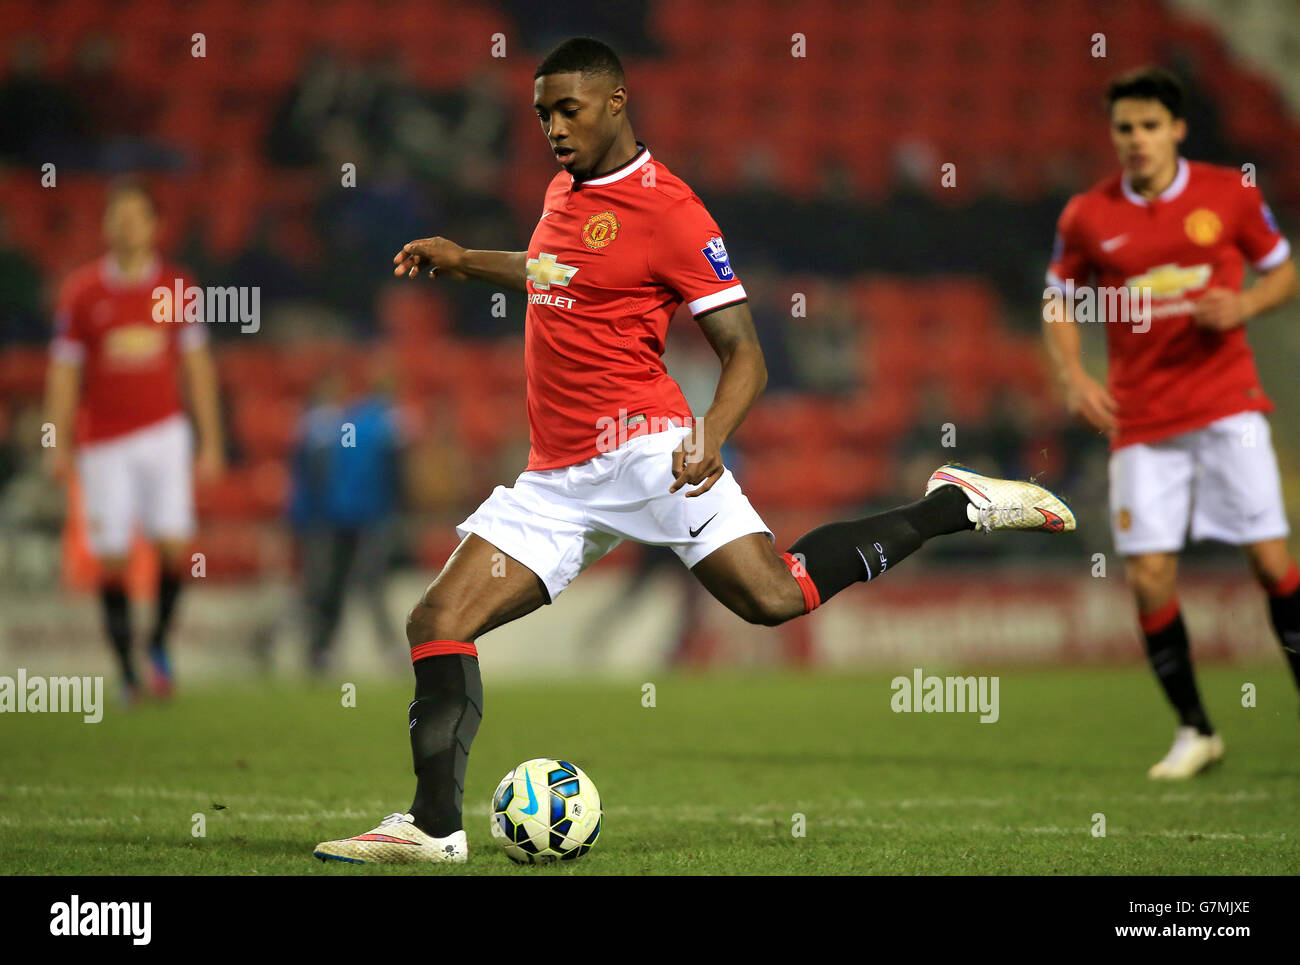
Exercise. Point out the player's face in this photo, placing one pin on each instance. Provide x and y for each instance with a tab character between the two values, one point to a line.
130	223
578	117
1146	136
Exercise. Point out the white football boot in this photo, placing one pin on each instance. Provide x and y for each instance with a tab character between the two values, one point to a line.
1005	503
396	841
1192	753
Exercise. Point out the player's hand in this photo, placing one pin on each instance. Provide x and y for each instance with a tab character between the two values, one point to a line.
697	460
441	257
210	464
1089	402
1220	309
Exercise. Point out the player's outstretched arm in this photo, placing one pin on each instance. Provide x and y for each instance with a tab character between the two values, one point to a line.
201	375
731	332
62	389
446	259
1085	398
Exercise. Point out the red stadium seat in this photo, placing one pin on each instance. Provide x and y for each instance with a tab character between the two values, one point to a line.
875	418
236	549
246	491
22	372
782	421
264	425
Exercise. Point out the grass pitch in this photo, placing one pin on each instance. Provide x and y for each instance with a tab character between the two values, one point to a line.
708	781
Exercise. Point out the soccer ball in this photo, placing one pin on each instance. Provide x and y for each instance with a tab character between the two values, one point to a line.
545	810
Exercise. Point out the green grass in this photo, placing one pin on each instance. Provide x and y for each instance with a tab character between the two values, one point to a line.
705	782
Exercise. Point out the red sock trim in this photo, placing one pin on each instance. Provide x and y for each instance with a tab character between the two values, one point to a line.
1157	620
812	599
1287	585
437	648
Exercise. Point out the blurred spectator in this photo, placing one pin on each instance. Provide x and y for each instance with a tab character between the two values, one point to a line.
345	497
119	115
22	318
623	24
314	99
91	119
770	304
41	120
824	345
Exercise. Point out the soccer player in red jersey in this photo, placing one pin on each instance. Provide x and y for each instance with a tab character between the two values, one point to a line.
1184	409
621	243
113	372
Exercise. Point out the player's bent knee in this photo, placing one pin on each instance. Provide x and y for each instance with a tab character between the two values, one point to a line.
767	608
1153	578
1270	561
1151	570
433	619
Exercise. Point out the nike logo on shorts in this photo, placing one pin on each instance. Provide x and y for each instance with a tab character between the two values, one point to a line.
697	532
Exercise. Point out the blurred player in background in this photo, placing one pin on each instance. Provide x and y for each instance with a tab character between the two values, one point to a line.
112	387
343	503
1184	408
620	244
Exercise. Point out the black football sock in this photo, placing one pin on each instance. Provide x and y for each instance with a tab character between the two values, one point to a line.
838	555
169	588
117	623
1170	656
445	716
1284	608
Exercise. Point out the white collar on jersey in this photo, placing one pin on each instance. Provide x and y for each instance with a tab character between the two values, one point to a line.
642	156
111	272
1168	194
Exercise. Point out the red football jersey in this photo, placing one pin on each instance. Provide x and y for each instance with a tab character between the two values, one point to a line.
608	264
1175	376
128	360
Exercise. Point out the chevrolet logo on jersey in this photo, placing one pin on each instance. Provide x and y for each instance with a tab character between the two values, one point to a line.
1170	281
544	271
134	344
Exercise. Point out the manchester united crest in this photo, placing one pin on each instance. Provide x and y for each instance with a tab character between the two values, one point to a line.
1203	226
600	230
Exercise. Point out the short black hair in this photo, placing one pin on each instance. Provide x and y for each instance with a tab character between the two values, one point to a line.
582	55
1148	83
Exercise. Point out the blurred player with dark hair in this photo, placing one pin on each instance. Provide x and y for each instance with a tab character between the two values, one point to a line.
621	243
113	370
1184	408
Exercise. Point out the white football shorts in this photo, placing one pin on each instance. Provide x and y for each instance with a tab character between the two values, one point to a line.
142	478
1221	481
557	522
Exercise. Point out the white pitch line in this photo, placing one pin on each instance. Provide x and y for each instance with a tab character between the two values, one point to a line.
1234	797
756	813
1082	830
169	794
237	817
